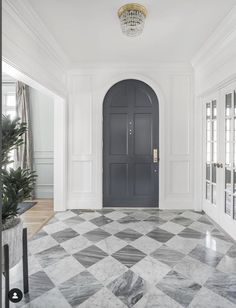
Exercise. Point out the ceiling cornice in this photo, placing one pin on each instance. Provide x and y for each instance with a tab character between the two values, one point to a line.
220	38
26	17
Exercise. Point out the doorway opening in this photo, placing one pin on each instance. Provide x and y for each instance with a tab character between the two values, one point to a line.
130	145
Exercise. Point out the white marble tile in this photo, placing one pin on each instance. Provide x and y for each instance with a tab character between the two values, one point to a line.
208	299
227	265
155	298
184	245
115	215
90	215
55	227
103	299
75	244
41	244
111	244
191	215
172	227
83	227
146	244
194	269
143	226
52	299
216	244
63	270
114	227
64	215
201	227
107	270
150	269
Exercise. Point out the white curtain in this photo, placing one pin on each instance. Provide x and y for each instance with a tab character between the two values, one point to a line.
25	151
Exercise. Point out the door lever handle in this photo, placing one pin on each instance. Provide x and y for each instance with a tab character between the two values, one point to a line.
155	156
218	165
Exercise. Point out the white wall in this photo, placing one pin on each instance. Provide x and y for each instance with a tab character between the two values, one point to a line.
42	113
87	88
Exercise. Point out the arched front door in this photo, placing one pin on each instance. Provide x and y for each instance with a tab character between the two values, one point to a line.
130	145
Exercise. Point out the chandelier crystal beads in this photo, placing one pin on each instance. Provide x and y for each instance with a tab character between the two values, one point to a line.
132	18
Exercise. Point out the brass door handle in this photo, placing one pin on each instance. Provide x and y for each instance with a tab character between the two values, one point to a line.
155	156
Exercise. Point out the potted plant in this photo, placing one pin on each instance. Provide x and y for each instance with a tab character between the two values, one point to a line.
17	185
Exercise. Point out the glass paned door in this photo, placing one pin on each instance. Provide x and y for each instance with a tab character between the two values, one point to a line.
211	151
230	155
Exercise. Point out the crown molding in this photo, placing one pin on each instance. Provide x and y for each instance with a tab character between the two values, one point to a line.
25	16
220	38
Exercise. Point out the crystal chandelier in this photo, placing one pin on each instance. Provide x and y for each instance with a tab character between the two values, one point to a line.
132	18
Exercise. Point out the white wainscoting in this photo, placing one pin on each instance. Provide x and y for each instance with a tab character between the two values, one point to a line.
87	89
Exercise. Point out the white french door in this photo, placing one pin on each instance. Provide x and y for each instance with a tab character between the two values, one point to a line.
219	150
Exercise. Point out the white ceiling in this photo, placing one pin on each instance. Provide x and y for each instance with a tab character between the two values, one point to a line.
89	32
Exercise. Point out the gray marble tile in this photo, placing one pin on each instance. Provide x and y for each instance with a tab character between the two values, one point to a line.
140	215
39	234
55	227
232	252
205	220
104	298
182	221
215	243
166	215
77	211
160	235
107	270
143	227
223	236
223	284
167	255
128	235
201	227
116	215
206	255
155	219
90	255
155	298
64	215
114	227
90	215
105	211
79	288
151	270
73	221
194	269
178	287
227	265
51	256
52	220
127	219
190	233
63	270
50	299
172	227
129	288
83	227
128	255
39	284
64	235
208	299
96	235
101	221
41	244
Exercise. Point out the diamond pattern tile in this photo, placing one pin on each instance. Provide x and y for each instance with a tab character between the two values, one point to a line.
130	258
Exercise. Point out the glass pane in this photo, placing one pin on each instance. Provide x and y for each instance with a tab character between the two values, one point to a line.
11	100
228	104
214	152
234	156
227	153
208	151
208	191
214	110
234	175
213	193
11	113
208	172
208	110
234	102
227	179
227	129
234	207
227	203
214	130
213	173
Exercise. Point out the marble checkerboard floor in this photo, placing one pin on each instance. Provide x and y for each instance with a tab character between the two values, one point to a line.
130	258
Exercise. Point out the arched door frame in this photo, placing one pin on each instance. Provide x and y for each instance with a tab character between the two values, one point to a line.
157	89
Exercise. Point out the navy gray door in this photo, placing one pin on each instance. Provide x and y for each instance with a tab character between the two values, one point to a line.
130	145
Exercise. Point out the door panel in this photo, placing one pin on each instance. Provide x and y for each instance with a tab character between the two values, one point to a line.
130	133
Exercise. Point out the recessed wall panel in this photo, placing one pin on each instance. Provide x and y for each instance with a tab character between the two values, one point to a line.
81	176
118	179
118	134
143	179
142	134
